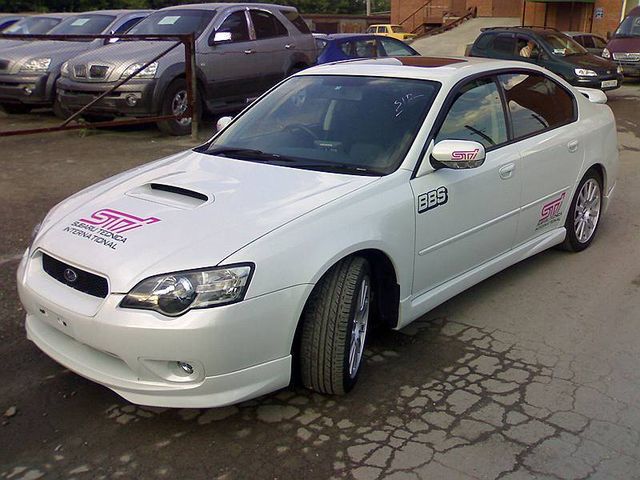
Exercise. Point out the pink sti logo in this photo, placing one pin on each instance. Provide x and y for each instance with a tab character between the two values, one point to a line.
116	221
551	209
465	154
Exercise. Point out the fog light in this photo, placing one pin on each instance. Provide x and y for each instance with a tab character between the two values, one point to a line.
28	90
132	101
185	367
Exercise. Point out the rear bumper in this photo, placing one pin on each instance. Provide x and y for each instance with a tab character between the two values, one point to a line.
28	89
134	98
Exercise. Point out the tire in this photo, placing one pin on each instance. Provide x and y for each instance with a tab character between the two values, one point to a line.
337	314
173	102
16	108
584	214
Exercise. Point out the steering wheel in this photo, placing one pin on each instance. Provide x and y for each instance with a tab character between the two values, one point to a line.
294	128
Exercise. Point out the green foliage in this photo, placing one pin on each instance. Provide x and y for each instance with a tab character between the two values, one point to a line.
305	6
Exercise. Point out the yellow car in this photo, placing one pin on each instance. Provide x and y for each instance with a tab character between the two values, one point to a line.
389	30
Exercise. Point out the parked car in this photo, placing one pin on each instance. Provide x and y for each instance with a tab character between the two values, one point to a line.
352	193
8	20
242	50
393	31
624	45
28	72
550	49
33	25
592	43
347	46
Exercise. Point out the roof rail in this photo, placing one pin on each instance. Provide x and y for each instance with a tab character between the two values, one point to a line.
520	26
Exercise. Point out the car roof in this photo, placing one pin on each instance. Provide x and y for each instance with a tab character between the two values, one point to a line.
446	70
214	6
342	36
519	29
573	34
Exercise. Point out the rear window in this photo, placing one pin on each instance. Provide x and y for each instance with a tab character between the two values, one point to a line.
32	26
83	25
483	42
297	20
321	44
174	22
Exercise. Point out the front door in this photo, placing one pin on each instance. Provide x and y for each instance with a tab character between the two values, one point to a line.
466	217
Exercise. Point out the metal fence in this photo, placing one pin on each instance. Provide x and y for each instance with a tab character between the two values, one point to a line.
73	123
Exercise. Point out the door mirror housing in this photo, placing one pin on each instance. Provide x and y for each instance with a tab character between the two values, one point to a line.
222	123
459	154
109	41
220	37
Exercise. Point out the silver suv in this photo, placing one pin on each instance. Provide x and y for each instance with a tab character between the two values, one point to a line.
241	51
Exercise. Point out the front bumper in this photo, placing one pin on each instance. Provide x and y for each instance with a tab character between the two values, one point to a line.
237	352
28	89
596	82
134	98
630	69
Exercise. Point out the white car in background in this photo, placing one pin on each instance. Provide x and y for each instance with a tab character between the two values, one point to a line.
351	193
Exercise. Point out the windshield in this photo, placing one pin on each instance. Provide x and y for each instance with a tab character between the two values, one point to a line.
358	125
174	22
397	29
630	27
563	45
83	25
32	26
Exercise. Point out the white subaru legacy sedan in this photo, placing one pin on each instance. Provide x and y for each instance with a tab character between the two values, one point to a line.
352	193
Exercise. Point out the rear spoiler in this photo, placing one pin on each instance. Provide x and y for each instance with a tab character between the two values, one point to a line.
594	95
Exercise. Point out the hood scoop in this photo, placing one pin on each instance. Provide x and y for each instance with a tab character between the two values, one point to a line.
171	195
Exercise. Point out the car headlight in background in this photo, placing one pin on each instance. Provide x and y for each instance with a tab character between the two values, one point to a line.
620	70
606	53
36	65
148	72
64	70
175	293
581	72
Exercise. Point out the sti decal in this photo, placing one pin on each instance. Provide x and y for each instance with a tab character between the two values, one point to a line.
106	227
465	154
434	198
551	212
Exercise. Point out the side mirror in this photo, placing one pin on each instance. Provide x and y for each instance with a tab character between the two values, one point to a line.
459	154
222	123
594	95
109	41
221	37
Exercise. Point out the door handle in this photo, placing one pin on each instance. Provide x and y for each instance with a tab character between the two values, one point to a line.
506	171
289	46
573	146
248	52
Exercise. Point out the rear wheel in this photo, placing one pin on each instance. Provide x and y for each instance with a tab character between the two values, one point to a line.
16	108
176	102
334	329
584	214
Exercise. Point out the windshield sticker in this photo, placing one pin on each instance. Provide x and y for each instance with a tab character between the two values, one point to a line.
169	20
434	198
551	213
405	101
106	227
80	22
559	51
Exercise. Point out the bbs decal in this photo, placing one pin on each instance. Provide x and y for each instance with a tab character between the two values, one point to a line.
434	198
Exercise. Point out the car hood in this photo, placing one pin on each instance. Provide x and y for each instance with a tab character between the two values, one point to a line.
185	212
624	45
120	55
591	62
58	51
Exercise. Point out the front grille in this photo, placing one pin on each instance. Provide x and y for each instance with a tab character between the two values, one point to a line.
80	71
629	57
98	71
85	282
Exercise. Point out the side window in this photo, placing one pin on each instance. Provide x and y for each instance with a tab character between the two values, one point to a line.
236	25
371	30
527	48
359	48
127	25
504	44
536	103
295	18
266	25
587	41
599	42
477	115
395	48
483	41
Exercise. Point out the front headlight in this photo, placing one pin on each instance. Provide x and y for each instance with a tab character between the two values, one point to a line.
581	72
175	293
64	70
606	53
36	65
620	70
148	72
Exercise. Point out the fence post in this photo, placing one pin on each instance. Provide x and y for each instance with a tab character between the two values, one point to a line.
192	83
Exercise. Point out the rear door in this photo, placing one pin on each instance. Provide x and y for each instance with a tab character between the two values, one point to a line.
273	49
543	116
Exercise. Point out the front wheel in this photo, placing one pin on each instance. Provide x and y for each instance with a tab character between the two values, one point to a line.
584	214
176	102
334	330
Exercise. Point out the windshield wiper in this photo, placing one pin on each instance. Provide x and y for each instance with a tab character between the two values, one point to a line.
338	167
247	154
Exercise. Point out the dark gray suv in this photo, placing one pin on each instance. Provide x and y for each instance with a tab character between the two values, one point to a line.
241	51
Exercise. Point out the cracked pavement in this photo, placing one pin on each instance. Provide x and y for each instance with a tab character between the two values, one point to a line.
530	374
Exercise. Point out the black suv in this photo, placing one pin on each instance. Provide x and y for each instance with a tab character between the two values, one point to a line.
550	49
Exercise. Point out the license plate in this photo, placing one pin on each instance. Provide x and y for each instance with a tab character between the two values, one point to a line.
609	83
